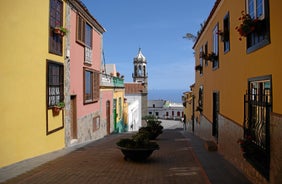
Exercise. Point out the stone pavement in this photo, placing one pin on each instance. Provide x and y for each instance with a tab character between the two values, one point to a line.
182	158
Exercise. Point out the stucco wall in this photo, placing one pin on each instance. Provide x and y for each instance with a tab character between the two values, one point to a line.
24	51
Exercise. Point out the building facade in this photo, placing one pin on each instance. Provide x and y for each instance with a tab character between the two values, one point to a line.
52	97
237	85
32	76
164	109
84	65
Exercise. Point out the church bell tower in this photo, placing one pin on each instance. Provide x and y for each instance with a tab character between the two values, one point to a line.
140	69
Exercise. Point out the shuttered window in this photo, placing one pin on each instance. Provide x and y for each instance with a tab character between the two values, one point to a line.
55	20
80	30
83	32
91	86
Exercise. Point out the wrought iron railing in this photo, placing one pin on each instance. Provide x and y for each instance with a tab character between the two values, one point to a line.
257	131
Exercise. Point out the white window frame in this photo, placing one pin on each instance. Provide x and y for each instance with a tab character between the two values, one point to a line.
261	17
87	55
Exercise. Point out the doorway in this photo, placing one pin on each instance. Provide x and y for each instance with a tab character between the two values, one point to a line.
73	119
108	116
215	115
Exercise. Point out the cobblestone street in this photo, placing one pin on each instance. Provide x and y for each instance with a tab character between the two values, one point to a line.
101	162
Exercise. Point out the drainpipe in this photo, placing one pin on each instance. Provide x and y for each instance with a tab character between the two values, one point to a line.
193	112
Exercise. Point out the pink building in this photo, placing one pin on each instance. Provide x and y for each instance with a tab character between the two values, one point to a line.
84	120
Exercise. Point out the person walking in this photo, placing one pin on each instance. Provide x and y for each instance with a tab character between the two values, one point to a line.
183	119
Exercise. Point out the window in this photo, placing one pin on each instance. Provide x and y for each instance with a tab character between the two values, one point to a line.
201	60
88	35
215	63
200	99
206	52
84	37
83	32
120	107
55	20
260	37
55	83
226	33
258	106
91	86
255	8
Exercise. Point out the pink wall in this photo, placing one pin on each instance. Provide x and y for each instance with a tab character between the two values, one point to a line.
76	67
107	95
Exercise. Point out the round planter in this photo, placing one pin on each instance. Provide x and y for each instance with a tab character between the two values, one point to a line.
136	154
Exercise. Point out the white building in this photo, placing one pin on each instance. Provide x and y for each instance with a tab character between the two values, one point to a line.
164	109
134	116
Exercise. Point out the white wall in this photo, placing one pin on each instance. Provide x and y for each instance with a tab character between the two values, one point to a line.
134	112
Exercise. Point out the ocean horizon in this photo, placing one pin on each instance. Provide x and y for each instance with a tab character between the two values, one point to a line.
172	95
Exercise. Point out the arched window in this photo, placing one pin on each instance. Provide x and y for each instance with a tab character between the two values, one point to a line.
140	70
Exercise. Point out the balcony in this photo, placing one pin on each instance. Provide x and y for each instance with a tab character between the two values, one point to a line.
111	81
118	82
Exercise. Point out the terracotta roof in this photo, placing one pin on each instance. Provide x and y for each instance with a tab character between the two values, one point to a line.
134	88
78	4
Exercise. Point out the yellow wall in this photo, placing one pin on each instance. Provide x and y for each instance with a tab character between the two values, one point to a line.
189	104
24	50
119	93
236	66
125	114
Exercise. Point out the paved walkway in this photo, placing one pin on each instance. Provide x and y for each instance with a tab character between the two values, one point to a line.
182	158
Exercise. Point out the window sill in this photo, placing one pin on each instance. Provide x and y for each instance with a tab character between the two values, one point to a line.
258	46
89	102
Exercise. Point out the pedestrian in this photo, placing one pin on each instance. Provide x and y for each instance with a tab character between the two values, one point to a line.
184	122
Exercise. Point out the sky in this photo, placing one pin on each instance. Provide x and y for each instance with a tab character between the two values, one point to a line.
157	27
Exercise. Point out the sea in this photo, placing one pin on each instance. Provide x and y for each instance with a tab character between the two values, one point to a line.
172	95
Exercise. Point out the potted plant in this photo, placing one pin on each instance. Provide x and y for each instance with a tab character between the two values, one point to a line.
137	148
118	74
244	143
199	67
153	128
203	55
221	34
212	57
248	25
56	108
62	31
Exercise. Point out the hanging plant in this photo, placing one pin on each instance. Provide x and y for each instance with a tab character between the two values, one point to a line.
247	26
221	34
212	57
203	55
199	67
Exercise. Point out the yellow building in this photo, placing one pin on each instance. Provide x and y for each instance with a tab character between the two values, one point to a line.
188	103
118	105
32	78
237	88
